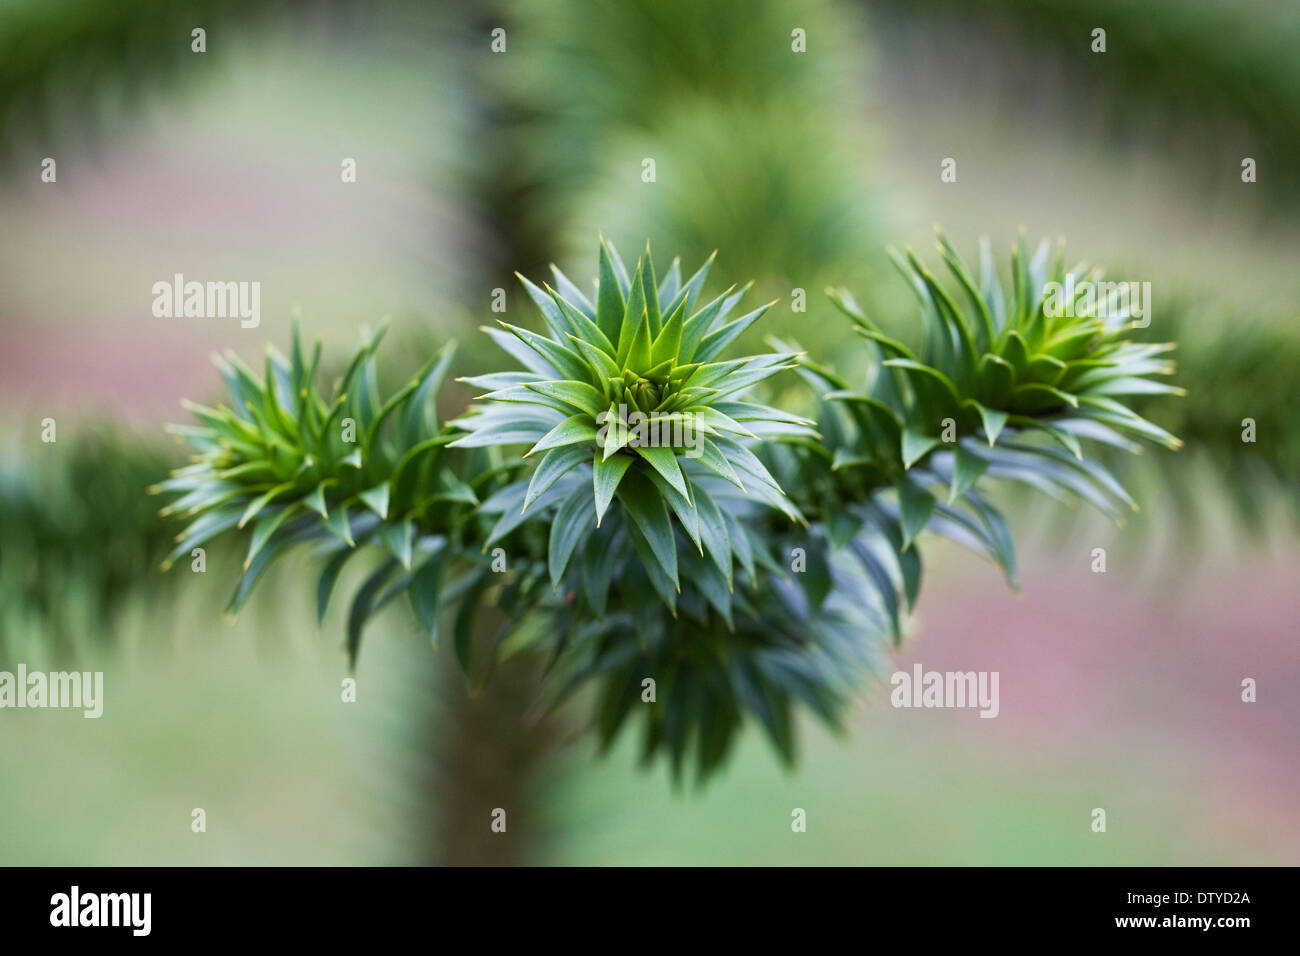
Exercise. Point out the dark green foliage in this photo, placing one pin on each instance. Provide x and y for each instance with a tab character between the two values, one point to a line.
85	54
296	464
77	536
764	568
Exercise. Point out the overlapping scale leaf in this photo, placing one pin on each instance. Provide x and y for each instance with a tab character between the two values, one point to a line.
1007	381
782	641
635	395
289	462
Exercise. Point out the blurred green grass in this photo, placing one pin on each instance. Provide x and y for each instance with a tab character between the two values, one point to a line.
243	719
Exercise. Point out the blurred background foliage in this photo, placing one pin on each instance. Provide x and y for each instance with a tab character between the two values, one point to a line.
758	152
1189	70
79	541
799	168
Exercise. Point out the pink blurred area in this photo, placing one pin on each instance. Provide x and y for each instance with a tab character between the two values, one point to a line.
243	186
1136	673
108	372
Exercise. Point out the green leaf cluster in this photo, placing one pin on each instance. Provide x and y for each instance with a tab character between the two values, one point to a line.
752	560
294	463
631	401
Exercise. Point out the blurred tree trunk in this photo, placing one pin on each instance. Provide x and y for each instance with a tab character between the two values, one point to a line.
491	750
491	755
